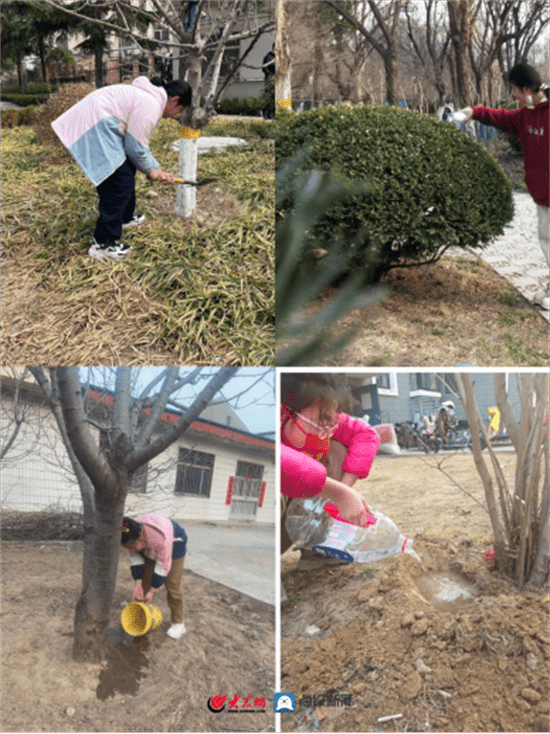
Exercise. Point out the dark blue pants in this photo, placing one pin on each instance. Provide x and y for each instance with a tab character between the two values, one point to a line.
117	201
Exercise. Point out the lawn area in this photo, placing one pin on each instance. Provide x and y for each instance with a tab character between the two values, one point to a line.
198	290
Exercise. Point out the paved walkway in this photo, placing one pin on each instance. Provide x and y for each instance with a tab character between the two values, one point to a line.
238	555
517	255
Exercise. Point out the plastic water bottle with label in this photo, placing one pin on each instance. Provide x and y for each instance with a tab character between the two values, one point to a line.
315	524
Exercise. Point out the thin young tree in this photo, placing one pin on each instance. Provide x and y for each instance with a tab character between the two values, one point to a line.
104	473
519	514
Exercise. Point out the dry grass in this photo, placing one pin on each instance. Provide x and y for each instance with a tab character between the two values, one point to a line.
197	290
43	525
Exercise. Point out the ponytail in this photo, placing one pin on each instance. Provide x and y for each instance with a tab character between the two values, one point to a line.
131	530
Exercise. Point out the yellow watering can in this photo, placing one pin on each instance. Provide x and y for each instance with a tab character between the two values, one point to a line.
138	618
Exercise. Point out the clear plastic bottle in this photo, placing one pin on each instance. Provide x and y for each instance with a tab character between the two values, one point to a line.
311	527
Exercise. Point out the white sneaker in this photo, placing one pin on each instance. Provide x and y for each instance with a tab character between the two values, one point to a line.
135	221
541	299
176	631
113	250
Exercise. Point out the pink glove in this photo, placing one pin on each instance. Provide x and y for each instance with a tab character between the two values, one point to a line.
332	510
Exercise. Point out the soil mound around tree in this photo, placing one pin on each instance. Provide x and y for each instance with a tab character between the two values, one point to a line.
149	683
479	663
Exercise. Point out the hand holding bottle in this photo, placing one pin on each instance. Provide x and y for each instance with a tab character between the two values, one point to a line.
351	505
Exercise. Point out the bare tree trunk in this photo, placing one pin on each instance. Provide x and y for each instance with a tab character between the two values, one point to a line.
98	67
91	620
460	24
283	94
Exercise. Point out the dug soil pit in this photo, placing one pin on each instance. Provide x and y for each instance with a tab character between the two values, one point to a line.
451	647
149	683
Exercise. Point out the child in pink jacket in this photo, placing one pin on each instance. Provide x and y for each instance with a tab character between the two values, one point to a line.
530	123
107	133
157	549
323	451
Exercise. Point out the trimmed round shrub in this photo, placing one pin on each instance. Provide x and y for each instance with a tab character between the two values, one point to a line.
416	185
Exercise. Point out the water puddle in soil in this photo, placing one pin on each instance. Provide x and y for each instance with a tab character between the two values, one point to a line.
126	663
446	590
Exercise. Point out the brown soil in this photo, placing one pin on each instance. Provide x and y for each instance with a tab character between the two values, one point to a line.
152	683
481	667
453	312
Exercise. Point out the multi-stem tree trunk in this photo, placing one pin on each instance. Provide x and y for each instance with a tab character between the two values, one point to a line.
519	514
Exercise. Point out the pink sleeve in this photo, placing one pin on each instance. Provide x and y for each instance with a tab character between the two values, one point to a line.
505	120
160	543
301	476
362	442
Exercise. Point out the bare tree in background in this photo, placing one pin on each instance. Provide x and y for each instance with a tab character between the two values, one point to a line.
520	514
383	33
14	413
430	43
104	474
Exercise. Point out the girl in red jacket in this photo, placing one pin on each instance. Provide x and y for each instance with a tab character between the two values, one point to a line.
530	123
323	451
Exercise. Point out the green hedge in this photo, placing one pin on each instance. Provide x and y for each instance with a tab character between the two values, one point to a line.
251	106
417	185
15	118
32	88
25	100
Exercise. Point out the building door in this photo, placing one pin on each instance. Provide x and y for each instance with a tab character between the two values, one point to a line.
370	402
246	491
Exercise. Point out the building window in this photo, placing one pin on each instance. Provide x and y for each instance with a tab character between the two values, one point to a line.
194	473
161	34
138	483
387	384
450	383
424	381
385	381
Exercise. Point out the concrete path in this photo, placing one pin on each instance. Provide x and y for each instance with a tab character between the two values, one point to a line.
238	555
517	255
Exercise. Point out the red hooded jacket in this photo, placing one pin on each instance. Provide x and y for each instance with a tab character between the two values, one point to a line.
532	127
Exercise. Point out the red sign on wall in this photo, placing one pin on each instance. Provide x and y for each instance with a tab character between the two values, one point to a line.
262	495
230	487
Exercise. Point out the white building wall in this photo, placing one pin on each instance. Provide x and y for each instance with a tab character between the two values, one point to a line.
161	496
36	474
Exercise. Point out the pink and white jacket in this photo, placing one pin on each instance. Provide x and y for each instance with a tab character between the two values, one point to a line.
303	476
156	544
111	124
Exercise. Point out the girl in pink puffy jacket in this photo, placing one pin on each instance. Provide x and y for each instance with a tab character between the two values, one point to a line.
323	451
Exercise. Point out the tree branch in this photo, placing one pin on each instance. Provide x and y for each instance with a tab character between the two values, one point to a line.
141	456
